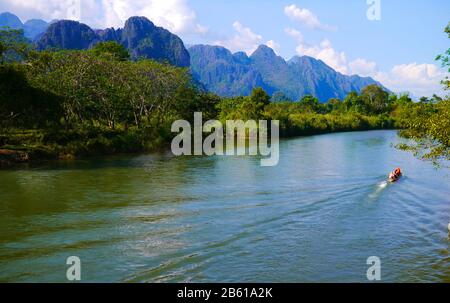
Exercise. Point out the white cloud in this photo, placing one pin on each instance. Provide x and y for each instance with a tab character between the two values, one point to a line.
418	79
274	45
362	67
306	17
175	15
325	52
244	40
297	35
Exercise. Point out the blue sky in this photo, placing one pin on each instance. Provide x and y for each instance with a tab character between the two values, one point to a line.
398	50
409	31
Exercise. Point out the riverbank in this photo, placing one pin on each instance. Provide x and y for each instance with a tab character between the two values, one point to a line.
33	146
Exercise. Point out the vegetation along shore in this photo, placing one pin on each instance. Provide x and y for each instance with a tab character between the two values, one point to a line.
64	104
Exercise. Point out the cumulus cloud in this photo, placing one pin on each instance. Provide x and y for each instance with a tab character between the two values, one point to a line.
417	79
362	67
325	52
306	17
274	45
175	15
244	39
297	35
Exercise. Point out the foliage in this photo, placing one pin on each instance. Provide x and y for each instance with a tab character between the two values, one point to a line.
96	101
111	48
375	99
428	123
22	104
280	97
13	45
103	91
445	60
87	102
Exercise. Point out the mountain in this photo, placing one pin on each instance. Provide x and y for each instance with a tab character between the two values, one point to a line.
32	28
10	20
222	72
139	35
219	70
236	74
67	34
144	39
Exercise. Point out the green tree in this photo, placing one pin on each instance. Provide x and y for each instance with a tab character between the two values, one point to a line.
333	105
14	45
260	97
350	100
309	104
404	100
112	48
2	50
429	124
445	60
280	97
375	98
22	105
424	100
253	107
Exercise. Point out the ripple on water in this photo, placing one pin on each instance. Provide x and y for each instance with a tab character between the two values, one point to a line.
316	217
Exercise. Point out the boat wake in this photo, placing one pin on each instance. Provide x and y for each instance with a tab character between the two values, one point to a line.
382	185
378	190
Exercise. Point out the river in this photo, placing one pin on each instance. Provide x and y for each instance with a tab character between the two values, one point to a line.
316	217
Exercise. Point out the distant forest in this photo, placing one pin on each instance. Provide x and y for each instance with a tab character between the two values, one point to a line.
63	104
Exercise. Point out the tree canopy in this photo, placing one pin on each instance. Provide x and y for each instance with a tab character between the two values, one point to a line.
111	48
429	124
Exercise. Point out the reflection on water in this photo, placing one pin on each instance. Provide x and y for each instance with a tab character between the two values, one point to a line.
317	216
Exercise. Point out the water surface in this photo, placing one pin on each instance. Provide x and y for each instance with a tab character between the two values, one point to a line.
316	217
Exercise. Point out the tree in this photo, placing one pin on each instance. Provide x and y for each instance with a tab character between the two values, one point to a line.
375	98
350	100
253	107
280	97
112	48
22	105
309	104
424	100
2	50
429	125
404	100
445	60
333	105
14	45
260	97
189	100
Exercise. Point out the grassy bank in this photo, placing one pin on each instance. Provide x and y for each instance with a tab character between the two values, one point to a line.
35	145
31	145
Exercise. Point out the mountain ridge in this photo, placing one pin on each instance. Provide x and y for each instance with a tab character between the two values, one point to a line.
32	28
139	35
217	68
295	78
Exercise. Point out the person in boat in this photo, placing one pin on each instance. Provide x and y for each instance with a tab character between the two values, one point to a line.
395	175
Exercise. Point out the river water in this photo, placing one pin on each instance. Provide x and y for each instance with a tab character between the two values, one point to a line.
316	217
